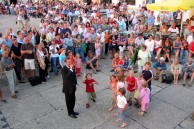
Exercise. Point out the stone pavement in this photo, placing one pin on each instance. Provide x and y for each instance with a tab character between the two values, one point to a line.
43	106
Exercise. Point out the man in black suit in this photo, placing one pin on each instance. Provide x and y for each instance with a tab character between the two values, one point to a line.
69	87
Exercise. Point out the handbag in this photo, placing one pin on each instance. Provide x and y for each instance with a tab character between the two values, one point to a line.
42	64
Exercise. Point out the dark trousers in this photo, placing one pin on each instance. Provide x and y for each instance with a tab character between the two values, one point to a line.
106	48
70	102
42	73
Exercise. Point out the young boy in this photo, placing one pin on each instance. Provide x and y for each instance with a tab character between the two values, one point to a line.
8	65
89	81
131	82
147	74
121	104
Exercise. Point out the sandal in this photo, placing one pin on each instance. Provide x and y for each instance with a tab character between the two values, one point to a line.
141	113
123	125
155	78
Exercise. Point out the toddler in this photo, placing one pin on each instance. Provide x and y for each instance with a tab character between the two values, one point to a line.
62	57
78	65
145	98
147	74
89	81
131	86
121	106
126	63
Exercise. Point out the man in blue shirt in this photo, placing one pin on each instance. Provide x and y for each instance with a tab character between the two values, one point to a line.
160	68
7	41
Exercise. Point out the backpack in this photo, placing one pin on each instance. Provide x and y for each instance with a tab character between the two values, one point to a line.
164	78
35	81
169	79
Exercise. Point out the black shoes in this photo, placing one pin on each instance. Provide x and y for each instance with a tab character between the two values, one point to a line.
74	115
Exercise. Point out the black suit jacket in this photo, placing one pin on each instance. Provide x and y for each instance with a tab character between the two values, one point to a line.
69	80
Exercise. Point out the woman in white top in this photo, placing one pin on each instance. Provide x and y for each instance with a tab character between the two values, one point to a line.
150	44
157	46
41	62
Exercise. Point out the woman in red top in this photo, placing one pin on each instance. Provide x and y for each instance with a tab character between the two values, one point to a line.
89	81
131	82
58	40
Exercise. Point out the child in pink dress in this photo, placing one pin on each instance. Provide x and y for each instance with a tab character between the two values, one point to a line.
145	98
78	65
97	48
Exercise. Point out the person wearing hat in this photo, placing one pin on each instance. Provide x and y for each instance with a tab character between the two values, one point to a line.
159	67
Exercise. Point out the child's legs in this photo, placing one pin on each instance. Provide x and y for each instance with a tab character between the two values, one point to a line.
93	95
129	96
140	68
88	97
120	114
146	106
143	107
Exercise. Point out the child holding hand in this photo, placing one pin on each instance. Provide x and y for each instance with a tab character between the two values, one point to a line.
145	98
90	82
113	86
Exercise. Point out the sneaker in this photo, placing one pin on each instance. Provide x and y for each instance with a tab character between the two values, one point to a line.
14	96
87	105
112	70
48	76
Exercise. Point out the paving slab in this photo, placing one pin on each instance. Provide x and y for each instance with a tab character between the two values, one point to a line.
29	125
26	109
187	124
160	115
178	96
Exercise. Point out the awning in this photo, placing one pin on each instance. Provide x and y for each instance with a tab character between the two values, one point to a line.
171	5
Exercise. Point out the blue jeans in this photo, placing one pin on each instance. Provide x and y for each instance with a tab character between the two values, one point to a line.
55	62
186	53
121	115
152	55
80	52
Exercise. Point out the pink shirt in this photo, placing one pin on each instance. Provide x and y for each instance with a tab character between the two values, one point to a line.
78	63
145	95
139	84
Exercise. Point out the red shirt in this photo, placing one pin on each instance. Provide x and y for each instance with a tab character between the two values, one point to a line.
89	85
121	62
130	87
191	47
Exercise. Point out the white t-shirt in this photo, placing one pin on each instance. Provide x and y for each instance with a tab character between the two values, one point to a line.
51	48
120	85
109	12
122	101
158	43
150	45
102	36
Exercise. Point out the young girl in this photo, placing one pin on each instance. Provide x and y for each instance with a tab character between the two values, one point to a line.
121	104
113	87
131	86
120	83
166	50
145	98
71	56
97	48
113	46
140	81
78	65
89	81
62	57
115	62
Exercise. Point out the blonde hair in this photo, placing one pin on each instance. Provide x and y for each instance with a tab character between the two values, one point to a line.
145	84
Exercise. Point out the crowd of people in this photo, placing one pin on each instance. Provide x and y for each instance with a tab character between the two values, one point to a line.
84	34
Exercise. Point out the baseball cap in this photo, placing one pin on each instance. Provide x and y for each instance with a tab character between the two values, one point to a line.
162	58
